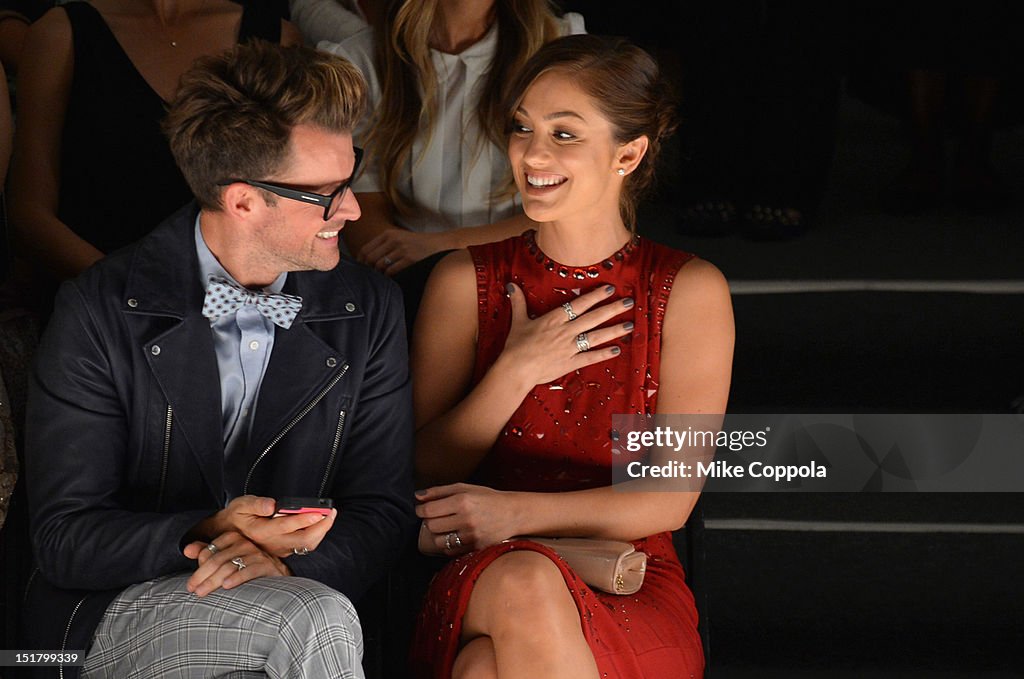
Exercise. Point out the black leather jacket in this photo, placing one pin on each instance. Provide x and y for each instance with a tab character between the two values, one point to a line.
124	444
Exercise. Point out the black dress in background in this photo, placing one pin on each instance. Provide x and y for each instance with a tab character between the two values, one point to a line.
118	178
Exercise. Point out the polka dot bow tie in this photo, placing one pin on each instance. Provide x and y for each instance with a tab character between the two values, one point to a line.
224	297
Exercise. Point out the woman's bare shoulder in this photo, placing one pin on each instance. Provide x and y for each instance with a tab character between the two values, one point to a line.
53	28
700	290
455	268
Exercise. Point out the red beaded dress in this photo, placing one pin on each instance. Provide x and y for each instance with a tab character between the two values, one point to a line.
560	439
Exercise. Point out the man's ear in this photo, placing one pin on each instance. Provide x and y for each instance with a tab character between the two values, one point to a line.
630	154
241	201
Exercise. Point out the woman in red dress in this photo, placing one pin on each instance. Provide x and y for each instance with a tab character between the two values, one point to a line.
523	350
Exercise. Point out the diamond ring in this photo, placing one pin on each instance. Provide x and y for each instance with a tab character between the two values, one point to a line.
300	551
238	562
568	311
451	538
582	343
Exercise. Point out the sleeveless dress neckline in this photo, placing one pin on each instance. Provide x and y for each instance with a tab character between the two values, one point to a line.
583	271
126	63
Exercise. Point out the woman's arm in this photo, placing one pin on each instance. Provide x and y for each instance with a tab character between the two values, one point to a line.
456	426
449	443
480	234
13	28
377	241
696	366
44	83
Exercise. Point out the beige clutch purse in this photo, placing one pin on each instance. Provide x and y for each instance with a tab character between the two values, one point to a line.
608	565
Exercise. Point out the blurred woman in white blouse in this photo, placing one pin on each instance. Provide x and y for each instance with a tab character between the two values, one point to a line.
437	176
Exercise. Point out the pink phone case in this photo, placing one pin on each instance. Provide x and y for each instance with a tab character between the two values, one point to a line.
324	511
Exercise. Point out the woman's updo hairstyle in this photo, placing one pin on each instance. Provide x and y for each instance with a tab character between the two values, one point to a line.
625	85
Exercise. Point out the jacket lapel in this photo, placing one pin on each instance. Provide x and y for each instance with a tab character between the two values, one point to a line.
165	305
186	369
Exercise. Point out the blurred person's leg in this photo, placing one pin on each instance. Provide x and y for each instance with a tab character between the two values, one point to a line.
921	55
976	186
792	116
920	183
715	54
982	55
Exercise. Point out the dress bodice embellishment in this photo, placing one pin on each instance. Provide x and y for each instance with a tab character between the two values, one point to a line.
579	273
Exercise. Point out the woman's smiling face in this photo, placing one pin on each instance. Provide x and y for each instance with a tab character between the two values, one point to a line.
563	153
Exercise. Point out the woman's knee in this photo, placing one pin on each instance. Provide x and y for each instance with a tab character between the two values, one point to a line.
524	572
524	585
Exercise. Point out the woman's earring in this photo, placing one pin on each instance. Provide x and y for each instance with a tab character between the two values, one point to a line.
621	171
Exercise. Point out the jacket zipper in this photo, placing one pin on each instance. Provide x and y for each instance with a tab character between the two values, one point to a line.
167	452
302	413
334	452
67	633
28	585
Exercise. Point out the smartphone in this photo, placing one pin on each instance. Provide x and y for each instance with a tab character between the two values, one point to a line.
304	505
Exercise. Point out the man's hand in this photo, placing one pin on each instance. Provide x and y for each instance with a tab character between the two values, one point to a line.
233	560
281	536
253	517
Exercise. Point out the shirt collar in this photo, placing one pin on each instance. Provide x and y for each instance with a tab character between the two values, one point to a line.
476	57
209	266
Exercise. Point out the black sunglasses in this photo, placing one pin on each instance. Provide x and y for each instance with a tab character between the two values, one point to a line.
330	202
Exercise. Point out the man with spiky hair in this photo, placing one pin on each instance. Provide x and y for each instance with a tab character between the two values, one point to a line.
227	360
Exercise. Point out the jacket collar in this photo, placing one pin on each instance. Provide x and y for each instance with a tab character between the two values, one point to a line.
164	277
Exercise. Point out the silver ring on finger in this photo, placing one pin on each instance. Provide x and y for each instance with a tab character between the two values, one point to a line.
582	342
458	540
388	261
448	538
212	548
300	551
569	312
238	562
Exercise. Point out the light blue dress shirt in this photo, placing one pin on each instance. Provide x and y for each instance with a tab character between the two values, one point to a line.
243	341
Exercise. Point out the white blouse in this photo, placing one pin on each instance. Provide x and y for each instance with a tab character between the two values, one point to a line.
453	175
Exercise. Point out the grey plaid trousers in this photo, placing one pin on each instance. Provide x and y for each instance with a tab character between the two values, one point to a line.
285	627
